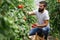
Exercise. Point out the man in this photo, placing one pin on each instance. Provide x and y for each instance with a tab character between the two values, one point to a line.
42	26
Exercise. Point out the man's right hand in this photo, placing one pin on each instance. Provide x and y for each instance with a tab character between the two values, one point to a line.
31	13
34	25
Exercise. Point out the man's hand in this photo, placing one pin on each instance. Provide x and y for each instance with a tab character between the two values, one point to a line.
31	13
35	25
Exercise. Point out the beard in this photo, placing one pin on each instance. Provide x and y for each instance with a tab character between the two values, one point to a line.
40	10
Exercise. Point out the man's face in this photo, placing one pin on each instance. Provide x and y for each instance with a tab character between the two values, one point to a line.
41	7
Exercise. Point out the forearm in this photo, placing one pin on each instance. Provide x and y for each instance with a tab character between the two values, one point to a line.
42	25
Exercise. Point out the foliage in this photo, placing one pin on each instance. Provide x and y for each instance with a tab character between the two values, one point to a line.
12	24
54	8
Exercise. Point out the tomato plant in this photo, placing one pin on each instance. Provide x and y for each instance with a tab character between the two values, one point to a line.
13	24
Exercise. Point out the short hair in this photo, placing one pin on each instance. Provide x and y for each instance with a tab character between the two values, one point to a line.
43	2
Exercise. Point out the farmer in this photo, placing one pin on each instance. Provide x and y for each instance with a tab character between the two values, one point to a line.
42	25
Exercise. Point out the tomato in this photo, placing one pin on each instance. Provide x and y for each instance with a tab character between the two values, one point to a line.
34	26
20	6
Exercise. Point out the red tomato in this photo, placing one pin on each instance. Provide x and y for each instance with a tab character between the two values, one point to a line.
20	6
34	26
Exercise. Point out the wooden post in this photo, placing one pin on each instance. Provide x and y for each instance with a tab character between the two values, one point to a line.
58	0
